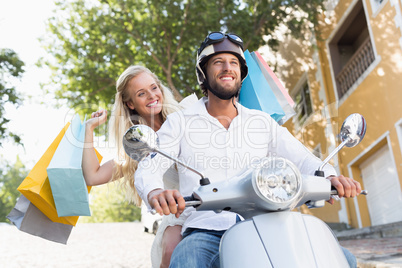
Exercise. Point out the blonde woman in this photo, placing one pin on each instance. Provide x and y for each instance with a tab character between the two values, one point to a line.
140	99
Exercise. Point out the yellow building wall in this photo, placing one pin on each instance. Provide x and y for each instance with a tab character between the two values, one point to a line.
378	97
291	67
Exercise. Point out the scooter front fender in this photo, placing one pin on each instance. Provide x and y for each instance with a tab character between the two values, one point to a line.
281	239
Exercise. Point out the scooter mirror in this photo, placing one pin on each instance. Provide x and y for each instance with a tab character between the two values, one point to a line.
139	141
353	130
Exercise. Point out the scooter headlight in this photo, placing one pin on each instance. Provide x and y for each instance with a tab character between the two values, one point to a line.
277	181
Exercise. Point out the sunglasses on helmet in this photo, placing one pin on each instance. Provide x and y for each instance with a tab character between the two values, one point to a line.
216	37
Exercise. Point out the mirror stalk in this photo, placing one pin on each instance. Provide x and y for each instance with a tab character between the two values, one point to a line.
177	161
140	140
333	153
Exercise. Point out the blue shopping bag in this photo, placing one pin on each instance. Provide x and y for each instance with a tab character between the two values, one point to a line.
282	96
69	190
256	93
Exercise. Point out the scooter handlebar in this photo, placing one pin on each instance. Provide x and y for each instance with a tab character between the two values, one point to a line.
335	192
190	202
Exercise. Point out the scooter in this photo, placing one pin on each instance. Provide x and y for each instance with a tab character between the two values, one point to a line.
273	234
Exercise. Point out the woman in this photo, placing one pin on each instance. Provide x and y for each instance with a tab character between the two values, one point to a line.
140	99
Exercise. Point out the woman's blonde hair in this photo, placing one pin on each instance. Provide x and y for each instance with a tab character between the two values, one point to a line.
123	118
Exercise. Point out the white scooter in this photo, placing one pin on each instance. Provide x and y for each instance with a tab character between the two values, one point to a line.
272	234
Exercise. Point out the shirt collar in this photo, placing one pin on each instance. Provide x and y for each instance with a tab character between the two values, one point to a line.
199	108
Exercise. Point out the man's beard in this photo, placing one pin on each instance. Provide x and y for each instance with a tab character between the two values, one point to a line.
221	92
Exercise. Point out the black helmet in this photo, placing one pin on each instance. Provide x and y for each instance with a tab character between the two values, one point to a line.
215	43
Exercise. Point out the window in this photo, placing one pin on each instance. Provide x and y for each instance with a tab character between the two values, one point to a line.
375	4
302	99
351	50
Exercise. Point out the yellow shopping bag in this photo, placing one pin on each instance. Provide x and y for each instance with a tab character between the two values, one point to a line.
36	187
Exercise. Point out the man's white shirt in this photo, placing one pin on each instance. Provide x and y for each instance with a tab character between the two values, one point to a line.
201	141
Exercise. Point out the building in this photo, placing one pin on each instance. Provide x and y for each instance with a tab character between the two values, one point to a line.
354	65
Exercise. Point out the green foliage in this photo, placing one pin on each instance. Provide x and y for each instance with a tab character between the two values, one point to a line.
10	178
108	204
92	42
11	67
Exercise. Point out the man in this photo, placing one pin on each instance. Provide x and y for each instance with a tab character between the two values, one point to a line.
218	137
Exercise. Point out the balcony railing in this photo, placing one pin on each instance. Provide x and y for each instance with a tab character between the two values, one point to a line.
355	67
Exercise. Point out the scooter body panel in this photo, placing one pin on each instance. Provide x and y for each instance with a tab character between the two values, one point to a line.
242	247
287	239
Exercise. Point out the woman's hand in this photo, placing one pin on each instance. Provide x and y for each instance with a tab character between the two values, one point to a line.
97	118
94	174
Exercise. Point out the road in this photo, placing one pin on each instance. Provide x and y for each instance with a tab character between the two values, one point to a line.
90	245
126	245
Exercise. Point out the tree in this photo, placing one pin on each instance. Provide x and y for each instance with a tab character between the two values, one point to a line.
10	67
92	42
10	178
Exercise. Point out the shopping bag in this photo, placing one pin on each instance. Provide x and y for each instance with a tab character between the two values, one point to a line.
67	182
281	94
256	93
27	218
36	187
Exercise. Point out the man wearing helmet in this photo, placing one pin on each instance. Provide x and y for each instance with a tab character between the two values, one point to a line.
218	137
228	44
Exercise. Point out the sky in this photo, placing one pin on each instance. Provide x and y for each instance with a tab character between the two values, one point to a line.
22	22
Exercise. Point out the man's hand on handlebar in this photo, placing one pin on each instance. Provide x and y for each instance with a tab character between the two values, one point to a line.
167	202
345	186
